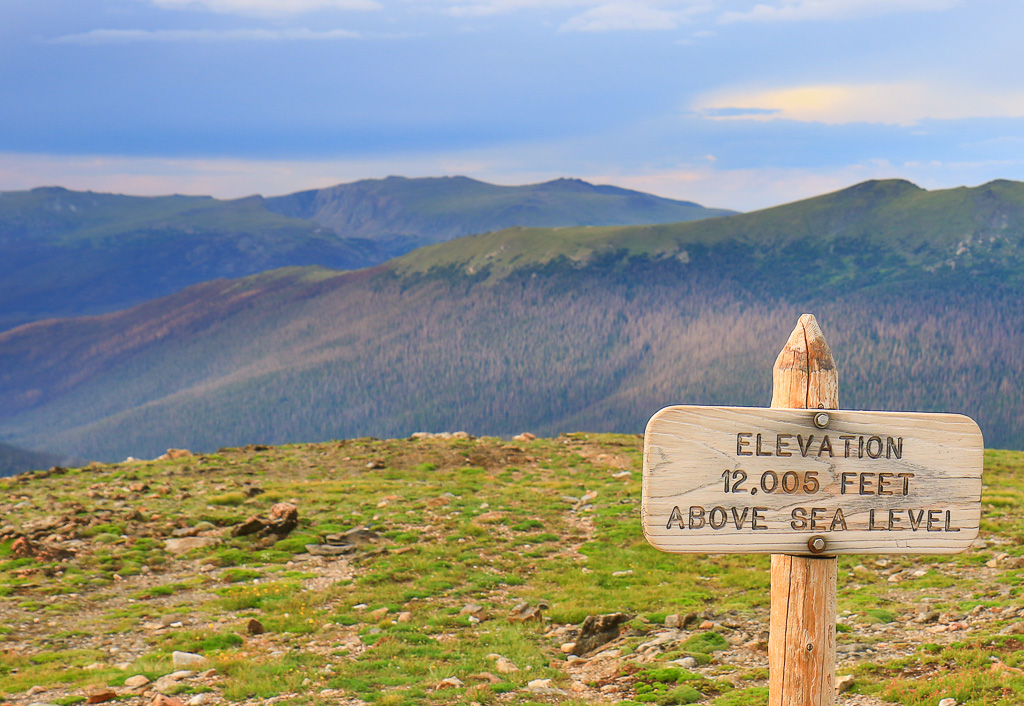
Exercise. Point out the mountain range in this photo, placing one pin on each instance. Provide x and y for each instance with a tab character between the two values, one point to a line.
66	253
918	293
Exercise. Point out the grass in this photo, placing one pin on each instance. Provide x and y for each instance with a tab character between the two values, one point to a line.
484	522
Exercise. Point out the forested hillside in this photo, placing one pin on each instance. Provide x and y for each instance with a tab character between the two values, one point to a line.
548	331
14	460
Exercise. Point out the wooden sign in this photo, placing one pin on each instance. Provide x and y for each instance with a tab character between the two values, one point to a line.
806	481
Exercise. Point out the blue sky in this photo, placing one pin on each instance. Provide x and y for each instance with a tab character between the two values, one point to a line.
733	103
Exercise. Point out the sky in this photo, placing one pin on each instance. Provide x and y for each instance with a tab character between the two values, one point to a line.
740	104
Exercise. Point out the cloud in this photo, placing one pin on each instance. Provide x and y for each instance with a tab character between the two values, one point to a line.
816	10
268	7
485	8
739	112
836	104
624	16
596	15
122	36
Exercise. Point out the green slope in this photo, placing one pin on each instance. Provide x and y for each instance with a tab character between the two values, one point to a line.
843	231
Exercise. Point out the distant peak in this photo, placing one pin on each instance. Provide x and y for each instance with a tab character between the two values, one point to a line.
885	184
1001	183
567	184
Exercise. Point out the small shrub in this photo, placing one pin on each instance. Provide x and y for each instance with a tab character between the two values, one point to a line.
231	499
706	642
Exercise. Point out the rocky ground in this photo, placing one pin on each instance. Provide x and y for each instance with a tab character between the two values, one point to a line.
451	570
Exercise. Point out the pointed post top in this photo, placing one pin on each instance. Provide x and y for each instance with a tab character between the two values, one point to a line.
805	376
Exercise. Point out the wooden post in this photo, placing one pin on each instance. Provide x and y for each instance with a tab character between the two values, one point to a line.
802	623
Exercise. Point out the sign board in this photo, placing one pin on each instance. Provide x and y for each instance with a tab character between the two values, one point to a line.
804	481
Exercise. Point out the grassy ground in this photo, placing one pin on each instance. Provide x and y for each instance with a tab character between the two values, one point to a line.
469	530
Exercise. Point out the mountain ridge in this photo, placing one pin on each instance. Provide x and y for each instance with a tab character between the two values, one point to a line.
916	321
929	227
67	253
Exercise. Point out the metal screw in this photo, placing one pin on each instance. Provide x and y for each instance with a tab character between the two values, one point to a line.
809	647
816	544
821	420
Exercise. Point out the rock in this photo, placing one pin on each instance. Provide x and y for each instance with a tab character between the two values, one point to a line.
568	647
756	645
254	627
284	517
188	659
1014	629
619	574
355	537
185	544
543	687
929	616
844	683
201	699
450	683
164	684
375	464
22	548
674	621
588	497
174	453
504	665
208	673
164	700
405	617
598	630
168	620
659	640
137	681
99	695
685	662
525	612
485	676
1003	668
525	436
706	625
947	702
622	474
471	609
253	525
329	549
34	690
378	614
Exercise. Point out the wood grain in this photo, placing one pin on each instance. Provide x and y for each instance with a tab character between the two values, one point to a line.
687	450
802	635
